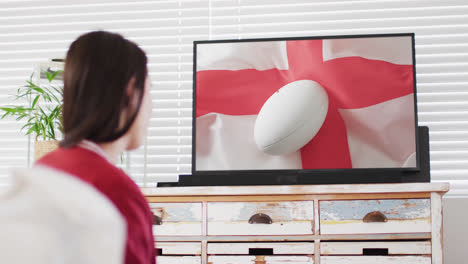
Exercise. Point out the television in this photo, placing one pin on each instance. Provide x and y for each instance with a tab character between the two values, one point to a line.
306	110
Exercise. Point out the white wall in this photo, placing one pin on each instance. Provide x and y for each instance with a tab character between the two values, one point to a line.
455	230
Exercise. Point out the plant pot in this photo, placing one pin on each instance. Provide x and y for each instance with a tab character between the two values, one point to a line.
43	147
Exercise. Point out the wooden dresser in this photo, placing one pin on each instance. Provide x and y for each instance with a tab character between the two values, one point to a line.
326	224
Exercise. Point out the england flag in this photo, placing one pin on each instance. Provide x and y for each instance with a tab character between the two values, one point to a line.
370	118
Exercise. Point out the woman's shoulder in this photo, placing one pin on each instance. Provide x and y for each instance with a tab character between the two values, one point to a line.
88	166
75	157
98	172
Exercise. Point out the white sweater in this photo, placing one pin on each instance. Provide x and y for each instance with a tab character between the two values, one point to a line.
50	217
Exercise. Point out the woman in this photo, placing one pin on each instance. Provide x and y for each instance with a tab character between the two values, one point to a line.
106	110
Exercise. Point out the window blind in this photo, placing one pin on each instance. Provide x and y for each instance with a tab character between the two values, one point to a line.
35	31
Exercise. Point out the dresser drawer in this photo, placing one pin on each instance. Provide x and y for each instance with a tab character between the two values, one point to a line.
261	218
375	216
178	248
178	260
375	260
280	248
177	219
376	248
260	259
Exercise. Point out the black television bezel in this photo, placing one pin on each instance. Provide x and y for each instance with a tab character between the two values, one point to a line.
307	176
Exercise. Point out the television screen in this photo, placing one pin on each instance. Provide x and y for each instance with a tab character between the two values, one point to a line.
305	104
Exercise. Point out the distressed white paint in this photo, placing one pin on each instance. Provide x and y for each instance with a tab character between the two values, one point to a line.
317	231
231	218
178	219
394	248
179	248
393	209
359	227
284	248
178	260
204	218
347	217
286	238
317	251
204	253
375	260
178	229
437	239
174	212
316	217
298	189
243	228
260	260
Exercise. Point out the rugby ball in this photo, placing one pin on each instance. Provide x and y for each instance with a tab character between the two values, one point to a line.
291	117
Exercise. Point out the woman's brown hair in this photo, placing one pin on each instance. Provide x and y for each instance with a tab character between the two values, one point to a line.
98	68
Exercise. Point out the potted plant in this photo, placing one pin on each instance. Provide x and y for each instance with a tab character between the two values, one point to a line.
41	109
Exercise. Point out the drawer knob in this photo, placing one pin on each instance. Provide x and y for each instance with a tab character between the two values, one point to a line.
157	220
260	219
260	260
375	217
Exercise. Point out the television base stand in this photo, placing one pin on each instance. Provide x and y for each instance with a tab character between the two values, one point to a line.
351	176
334	224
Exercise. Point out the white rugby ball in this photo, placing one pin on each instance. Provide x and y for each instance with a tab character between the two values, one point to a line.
291	117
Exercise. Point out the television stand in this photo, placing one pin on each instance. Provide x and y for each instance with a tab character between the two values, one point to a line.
321	224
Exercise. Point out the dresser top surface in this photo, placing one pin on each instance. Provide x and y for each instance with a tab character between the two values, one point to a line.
298	189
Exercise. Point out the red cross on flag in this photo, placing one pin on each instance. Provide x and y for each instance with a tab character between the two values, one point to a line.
369	122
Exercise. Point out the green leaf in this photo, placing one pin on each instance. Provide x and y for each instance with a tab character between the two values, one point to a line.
48	76
31	85
7	109
54	93
35	101
52	115
42	111
4	115
55	113
49	94
27	125
34	128
51	77
21	96
16	110
30	120
43	131
58	90
30	130
51	129
21	116
41	120
39	90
